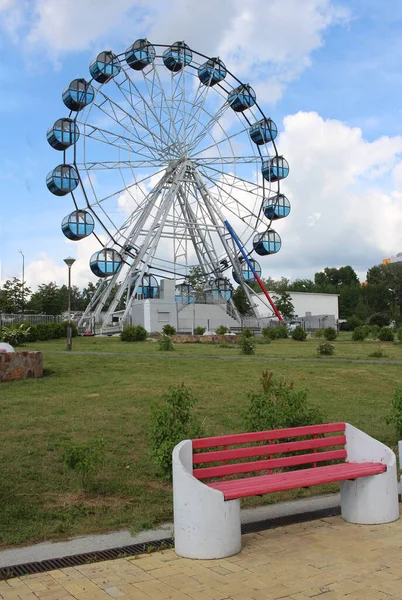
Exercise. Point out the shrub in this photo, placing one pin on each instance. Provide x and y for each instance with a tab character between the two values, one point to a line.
378	319
64	325
32	332
56	330
299	334
247	332
325	349
275	333
247	345
330	334
395	416
374	331
171	422
222	329
386	335
16	336
199	330
319	333
44	333
358	334
400	335
379	353
169	329
262	340
133	333
352	322
279	405
165	343
84	458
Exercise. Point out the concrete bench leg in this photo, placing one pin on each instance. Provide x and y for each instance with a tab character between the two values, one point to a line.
369	500
205	526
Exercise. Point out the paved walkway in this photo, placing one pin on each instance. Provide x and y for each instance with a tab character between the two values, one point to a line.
325	560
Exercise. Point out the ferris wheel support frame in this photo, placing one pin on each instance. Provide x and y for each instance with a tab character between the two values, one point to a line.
150	243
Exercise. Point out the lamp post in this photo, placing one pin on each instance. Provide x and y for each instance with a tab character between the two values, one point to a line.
23	281
69	262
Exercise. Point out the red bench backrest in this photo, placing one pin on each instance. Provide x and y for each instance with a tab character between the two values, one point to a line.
278	443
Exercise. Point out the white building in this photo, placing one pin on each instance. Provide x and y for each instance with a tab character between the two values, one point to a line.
313	308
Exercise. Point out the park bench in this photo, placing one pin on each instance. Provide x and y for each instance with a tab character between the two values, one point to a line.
211	475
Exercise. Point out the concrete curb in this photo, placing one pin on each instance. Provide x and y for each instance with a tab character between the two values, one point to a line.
93	543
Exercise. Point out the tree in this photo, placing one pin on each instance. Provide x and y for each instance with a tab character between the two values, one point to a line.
302	285
241	301
47	300
283	303
13	296
196	278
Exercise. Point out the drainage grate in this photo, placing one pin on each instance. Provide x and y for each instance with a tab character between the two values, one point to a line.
148	547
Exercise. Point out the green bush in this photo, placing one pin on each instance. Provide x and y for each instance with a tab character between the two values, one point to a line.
330	334
279	405
165	343
374	331
395	416
379	353
199	330
16	335
56	330
44	332
247	344
275	333
262	340
247	332
64	325
168	329
32	332
222	329
133	333
299	334
358	334
386	335
319	333
400	334
352	322
325	349
84	458
378	319
171	422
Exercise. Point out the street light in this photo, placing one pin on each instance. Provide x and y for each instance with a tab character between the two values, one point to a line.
69	262
23	281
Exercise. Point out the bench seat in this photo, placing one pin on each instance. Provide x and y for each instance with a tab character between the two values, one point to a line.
212	475
277	482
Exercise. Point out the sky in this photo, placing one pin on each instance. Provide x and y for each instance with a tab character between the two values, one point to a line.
328	72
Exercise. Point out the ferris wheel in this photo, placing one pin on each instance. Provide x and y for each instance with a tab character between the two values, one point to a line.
171	164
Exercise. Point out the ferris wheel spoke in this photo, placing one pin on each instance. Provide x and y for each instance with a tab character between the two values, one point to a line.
225	139
134	122
136	183
246	182
227	160
154	83
116	140
123	164
132	131
164	135
234	201
206	129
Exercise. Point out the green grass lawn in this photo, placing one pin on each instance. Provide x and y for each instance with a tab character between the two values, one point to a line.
82	397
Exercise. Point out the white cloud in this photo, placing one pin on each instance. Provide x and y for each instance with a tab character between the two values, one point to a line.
266	42
46	268
345	208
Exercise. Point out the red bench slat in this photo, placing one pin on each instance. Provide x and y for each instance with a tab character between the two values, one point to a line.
218	455
265	465
264	484
261	436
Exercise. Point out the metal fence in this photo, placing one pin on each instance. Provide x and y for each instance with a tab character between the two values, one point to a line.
15	319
